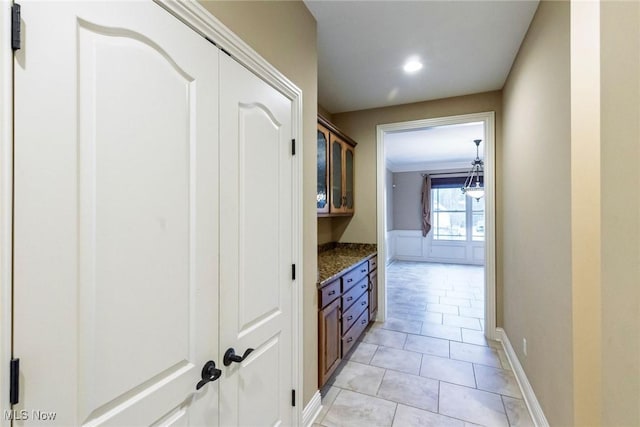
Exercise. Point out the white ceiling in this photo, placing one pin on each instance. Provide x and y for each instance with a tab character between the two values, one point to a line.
434	148
466	47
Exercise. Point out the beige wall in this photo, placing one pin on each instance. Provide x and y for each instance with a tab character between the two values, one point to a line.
620	157
325	230
284	33
324	112
536	215
407	203
585	213
361	126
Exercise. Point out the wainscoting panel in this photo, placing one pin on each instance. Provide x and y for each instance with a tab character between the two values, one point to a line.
409	245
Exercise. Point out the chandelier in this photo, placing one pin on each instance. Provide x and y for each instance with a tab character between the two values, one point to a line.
472	186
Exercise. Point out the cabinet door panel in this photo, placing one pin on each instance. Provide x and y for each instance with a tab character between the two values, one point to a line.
329	344
322	195
337	193
348	178
373	294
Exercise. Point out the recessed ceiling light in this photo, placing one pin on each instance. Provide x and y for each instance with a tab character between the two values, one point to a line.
412	65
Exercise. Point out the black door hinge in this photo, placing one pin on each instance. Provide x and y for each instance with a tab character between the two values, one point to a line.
293	398
293	272
293	147
15	26
14	381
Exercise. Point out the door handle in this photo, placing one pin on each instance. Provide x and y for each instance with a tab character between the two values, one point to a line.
230	356
209	374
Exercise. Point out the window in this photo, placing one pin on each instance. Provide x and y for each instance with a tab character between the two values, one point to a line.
454	215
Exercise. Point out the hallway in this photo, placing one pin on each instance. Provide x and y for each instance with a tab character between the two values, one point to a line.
429	363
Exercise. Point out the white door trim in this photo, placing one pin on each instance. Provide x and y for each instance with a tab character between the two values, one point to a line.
490	206
6	205
198	18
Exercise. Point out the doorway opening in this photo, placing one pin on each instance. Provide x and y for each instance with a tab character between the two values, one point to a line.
462	228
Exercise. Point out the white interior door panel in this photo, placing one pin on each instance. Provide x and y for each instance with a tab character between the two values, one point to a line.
116	215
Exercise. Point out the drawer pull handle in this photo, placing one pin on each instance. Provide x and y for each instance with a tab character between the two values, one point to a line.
349	318
364	270
363	321
349	298
363	303
349	280
364	285
349	339
332	293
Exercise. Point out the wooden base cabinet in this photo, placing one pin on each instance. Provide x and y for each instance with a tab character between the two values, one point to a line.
343	316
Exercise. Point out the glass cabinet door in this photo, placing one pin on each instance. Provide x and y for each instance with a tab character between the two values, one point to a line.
336	176
348	178
322	195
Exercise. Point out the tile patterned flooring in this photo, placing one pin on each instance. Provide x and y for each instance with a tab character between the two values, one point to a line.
429	363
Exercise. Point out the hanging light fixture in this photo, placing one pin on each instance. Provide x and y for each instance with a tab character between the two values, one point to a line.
472	186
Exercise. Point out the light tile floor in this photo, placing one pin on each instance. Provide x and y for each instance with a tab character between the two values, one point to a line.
429	363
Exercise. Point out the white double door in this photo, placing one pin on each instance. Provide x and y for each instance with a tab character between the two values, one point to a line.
152	224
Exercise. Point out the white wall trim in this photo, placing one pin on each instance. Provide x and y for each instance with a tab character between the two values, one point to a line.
525	387
490	207
199	19
6	205
203	22
312	410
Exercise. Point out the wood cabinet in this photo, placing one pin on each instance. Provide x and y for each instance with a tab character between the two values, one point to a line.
345	311
330	340
322	195
336	158
373	293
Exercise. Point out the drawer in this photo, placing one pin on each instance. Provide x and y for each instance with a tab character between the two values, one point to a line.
354	276
350	316
373	263
352	335
329	293
349	297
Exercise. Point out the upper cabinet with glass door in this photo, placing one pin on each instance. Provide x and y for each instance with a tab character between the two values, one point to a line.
323	170
335	171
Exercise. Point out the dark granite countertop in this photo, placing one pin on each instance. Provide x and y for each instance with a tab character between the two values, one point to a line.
337	258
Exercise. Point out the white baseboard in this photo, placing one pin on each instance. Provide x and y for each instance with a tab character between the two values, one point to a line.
527	391
311	411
